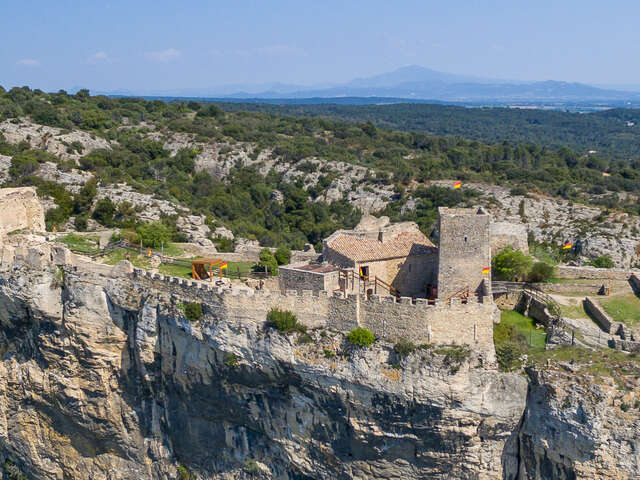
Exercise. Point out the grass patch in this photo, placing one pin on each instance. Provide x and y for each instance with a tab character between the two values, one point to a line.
80	243
535	338
600	362
622	308
574	310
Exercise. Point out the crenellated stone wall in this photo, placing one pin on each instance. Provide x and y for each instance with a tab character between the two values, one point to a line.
388	317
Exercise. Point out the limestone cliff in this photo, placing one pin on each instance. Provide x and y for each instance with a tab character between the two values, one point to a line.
104	380
103	383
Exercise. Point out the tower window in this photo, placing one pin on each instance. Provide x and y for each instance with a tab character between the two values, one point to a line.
465	239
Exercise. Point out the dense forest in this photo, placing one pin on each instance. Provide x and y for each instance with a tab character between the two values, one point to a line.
608	132
398	159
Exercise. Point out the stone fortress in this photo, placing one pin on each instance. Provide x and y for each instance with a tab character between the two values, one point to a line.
457	308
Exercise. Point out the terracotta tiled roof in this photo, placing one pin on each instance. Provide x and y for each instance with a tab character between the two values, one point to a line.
360	249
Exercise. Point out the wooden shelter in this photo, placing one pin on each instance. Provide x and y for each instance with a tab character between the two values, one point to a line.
203	268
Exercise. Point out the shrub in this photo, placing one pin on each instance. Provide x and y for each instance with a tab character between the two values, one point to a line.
184	473
153	234
81	223
193	311
230	360
404	348
251	466
361	337
104	211
603	261
225	245
329	353
540	272
511	265
284	321
508	354
283	255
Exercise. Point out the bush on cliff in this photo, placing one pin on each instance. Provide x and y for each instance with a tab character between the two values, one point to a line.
193	311
154	234
284	321
404	348
508	355
361	337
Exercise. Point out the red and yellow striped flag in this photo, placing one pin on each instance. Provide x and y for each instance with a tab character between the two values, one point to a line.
458	184
223	265
486	270
567	246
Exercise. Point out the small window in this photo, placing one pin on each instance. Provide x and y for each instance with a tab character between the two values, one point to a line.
465	239
409	267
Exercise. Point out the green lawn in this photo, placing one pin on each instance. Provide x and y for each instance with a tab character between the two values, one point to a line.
80	243
622	308
536	338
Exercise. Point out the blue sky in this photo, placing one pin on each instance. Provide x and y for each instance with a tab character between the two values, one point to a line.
152	45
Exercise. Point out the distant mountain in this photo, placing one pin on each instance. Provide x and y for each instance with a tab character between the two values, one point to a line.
413	83
420	83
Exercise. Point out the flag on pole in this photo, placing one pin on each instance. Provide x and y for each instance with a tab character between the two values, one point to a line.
223	265
486	270
458	184
567	246
149	253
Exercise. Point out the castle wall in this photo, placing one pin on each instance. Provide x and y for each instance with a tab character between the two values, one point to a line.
390	319
464	251
409	275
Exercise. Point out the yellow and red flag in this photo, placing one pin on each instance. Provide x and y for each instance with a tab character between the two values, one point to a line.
567	246
223	265
458	184
149	253
53	229
486	270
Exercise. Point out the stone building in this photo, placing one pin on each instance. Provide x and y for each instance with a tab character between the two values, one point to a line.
384	257
308	276
465	252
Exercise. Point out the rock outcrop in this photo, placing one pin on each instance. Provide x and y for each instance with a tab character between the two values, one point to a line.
20	209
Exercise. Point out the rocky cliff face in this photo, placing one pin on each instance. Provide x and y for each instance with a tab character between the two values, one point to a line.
98	382
578	425
103	381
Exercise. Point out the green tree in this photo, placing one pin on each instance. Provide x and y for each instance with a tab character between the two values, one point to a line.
269	261
104	211
283	255
540	272
511	265
153	234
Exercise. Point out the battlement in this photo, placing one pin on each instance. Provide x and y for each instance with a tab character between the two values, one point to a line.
389	318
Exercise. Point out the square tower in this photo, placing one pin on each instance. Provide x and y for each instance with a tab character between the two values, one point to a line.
464	252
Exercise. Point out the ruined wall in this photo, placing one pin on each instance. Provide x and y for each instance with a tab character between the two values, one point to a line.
20	209
599	315
299	280
464	250
507	234
564	271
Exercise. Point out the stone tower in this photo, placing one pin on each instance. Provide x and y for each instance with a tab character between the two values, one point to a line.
464	252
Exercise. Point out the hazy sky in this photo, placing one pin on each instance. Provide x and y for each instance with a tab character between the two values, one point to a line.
147	45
